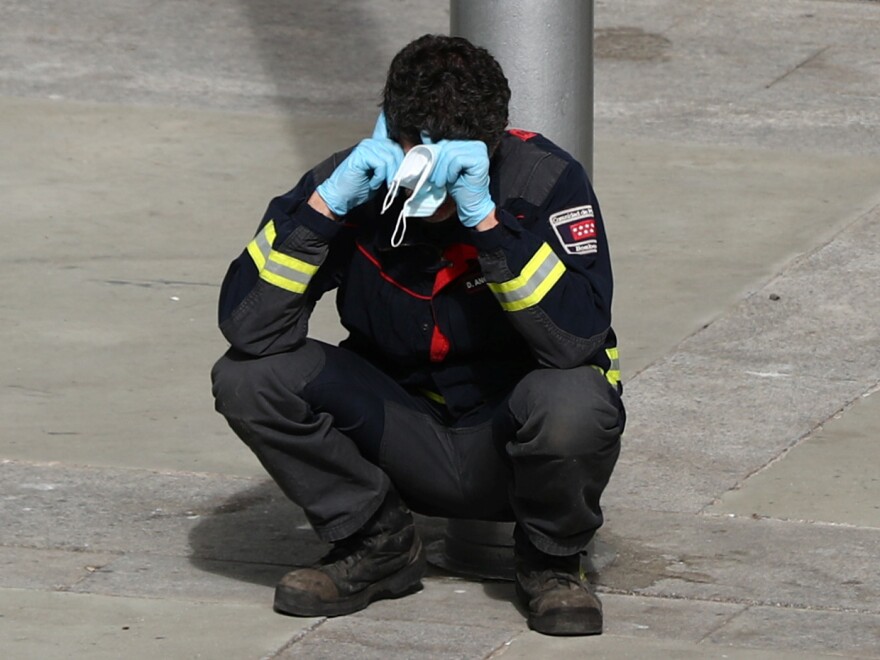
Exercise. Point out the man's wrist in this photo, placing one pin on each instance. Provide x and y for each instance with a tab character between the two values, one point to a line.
317	202
487	223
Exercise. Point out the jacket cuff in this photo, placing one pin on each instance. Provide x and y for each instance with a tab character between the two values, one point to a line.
317	222
507	229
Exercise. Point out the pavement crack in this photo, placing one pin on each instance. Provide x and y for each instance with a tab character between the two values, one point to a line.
747	603
787	521
728	619
31	391
501	648
800	440
149	284
798	66
90	570
297	637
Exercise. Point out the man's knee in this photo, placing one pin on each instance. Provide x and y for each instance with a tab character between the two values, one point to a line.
565	413
246	387
232	383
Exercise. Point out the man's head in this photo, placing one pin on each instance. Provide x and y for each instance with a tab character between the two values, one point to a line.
448	88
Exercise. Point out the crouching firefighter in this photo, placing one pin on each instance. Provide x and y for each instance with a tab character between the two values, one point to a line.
479	378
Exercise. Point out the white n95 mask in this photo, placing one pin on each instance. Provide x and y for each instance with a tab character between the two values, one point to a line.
413	173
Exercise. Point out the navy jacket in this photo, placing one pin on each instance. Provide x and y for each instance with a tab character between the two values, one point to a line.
456	314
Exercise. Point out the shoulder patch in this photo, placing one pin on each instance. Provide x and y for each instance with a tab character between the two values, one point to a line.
523	135
526	170
576	229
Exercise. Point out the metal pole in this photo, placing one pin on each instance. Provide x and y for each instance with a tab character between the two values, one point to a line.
546	50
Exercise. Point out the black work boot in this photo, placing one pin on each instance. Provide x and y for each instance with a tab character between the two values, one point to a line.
557	596
385	559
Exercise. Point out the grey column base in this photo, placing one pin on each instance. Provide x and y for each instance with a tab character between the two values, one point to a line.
484	550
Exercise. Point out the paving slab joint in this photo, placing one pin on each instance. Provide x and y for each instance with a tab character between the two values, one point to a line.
721	624
817	428
499	650
297	637
745	603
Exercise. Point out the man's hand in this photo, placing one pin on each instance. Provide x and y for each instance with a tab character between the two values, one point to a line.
372	163
463	168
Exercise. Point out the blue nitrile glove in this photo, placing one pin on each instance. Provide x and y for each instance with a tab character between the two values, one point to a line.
463	167
370	164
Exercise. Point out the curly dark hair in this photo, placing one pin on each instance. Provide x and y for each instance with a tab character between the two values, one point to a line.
448	88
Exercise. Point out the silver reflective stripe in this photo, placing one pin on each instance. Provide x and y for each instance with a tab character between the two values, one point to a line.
613	373
289	275
537	277
529	288
261	245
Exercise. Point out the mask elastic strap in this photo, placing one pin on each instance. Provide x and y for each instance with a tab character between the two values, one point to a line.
400	227
390	195
394	186
401	219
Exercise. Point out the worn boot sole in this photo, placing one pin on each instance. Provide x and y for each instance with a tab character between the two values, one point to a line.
406	581
564	621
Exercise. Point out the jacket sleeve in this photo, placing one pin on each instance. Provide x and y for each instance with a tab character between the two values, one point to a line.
553	276
270	290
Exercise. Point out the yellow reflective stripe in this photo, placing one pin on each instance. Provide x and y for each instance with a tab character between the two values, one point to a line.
260	247
288	272
276	268
537	277
282	282
293	263
538	294
613	373
434	397
526	274
253	249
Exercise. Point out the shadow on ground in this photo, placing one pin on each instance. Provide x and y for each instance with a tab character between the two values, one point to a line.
252	533
257	534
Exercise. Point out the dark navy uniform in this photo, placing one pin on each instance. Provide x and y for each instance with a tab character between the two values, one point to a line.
480	376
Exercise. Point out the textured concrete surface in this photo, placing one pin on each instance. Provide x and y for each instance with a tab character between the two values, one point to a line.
738	165
50	625
612	648
830	477
754	383
800	76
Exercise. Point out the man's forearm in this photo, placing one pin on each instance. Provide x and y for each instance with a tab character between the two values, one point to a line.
317	202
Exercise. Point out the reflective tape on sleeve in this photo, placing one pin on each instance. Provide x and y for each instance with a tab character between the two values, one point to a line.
287	272
261	246
276	268
538	276
613	373
434	396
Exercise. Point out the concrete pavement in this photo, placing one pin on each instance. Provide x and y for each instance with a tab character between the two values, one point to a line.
738	166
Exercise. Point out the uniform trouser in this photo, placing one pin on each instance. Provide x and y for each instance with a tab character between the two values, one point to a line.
336	433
